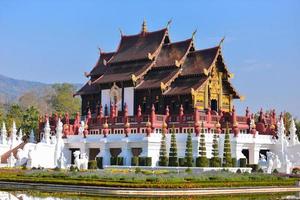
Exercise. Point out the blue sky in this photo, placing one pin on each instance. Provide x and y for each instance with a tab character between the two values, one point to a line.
56	41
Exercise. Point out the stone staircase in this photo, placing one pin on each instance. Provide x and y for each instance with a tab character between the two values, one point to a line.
6	155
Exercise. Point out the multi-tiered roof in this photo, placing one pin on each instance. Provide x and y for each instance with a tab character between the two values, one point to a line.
150	60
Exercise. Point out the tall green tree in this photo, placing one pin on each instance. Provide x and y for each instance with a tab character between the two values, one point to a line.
189	150
63	101
30	120
2	114
202	160
215	160
163	156
227	159
173	159
14	113
297	123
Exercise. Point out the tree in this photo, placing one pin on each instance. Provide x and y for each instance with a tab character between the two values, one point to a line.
202	159
297	123
30	120
215	160
173	160
227	160
63	101
163	157
189	150
14	113
2	114
287	119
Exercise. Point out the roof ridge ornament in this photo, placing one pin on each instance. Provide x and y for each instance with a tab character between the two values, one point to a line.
193	34
221	41
144	27
169	23
120	30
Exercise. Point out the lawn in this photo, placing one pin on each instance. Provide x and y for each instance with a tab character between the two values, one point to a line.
136	178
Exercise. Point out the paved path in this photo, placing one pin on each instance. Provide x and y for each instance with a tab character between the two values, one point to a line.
141	192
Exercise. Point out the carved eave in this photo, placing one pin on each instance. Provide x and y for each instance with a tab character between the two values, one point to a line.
150	56
230	75
87	74
134	78
177	63
163	86
205	72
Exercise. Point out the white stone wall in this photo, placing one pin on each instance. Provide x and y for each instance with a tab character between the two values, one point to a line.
105	99
129	99
151	145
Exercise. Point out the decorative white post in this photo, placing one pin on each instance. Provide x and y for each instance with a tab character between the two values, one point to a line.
3	139
32	137
46	138
293	136
20	136
59	160
13	136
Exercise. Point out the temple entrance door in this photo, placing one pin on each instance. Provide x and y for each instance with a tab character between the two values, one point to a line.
214	105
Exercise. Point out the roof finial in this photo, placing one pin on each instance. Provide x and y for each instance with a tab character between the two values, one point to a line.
144	26
120	30
100	50
194	33
222	40
169	22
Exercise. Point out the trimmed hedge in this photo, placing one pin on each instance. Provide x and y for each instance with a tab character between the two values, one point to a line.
243	162
92	164
145	161
116	160
135	161
99	162
201	162
181	162
234	162
215	162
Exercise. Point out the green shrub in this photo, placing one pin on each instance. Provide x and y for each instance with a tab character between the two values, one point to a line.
181	162
138	170
148	161
116	161
243	162
99	162
92	164
275	171
135	161
189	170
234	162
173	159
145	161
202	162
260	170
74	169
215	162
296	171
239	171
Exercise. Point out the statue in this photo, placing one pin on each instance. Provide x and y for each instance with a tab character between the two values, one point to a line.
293	136
21	157
11	161
31	162
82	162
262	162
81	129
62	161
32	137
270	162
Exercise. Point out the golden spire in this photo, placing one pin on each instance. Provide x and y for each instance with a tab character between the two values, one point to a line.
144	27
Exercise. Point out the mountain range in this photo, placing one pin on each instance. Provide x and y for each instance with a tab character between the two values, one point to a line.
11	89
